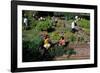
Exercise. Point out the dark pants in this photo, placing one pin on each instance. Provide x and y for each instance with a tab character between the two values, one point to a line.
74	30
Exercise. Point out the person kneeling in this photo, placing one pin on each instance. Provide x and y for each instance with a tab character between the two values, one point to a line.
47	42
62	41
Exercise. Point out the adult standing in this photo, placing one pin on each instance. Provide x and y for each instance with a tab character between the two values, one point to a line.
25	22
74	26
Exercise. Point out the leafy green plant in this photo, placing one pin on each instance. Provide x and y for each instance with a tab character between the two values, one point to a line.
72	38
70	51
31	50
55	36
44	25
57	51
84	23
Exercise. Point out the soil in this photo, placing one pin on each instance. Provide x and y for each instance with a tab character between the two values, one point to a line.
82	52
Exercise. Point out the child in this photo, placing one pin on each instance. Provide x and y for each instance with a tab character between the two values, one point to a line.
62	41
47	42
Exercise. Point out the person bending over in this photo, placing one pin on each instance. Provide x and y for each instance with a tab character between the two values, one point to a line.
62	41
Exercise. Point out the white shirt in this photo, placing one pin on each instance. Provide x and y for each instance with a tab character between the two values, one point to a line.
25	20
76	17
73	25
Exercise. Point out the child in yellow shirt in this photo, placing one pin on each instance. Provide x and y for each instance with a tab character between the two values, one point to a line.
46	42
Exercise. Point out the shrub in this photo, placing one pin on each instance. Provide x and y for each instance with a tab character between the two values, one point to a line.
55	36
72	38
57	51
70	51
84	23
30	50
44	25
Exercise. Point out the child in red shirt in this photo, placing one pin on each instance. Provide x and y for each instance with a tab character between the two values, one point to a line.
62	41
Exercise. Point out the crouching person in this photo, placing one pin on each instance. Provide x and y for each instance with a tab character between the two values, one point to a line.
62	41
47	42
46	47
